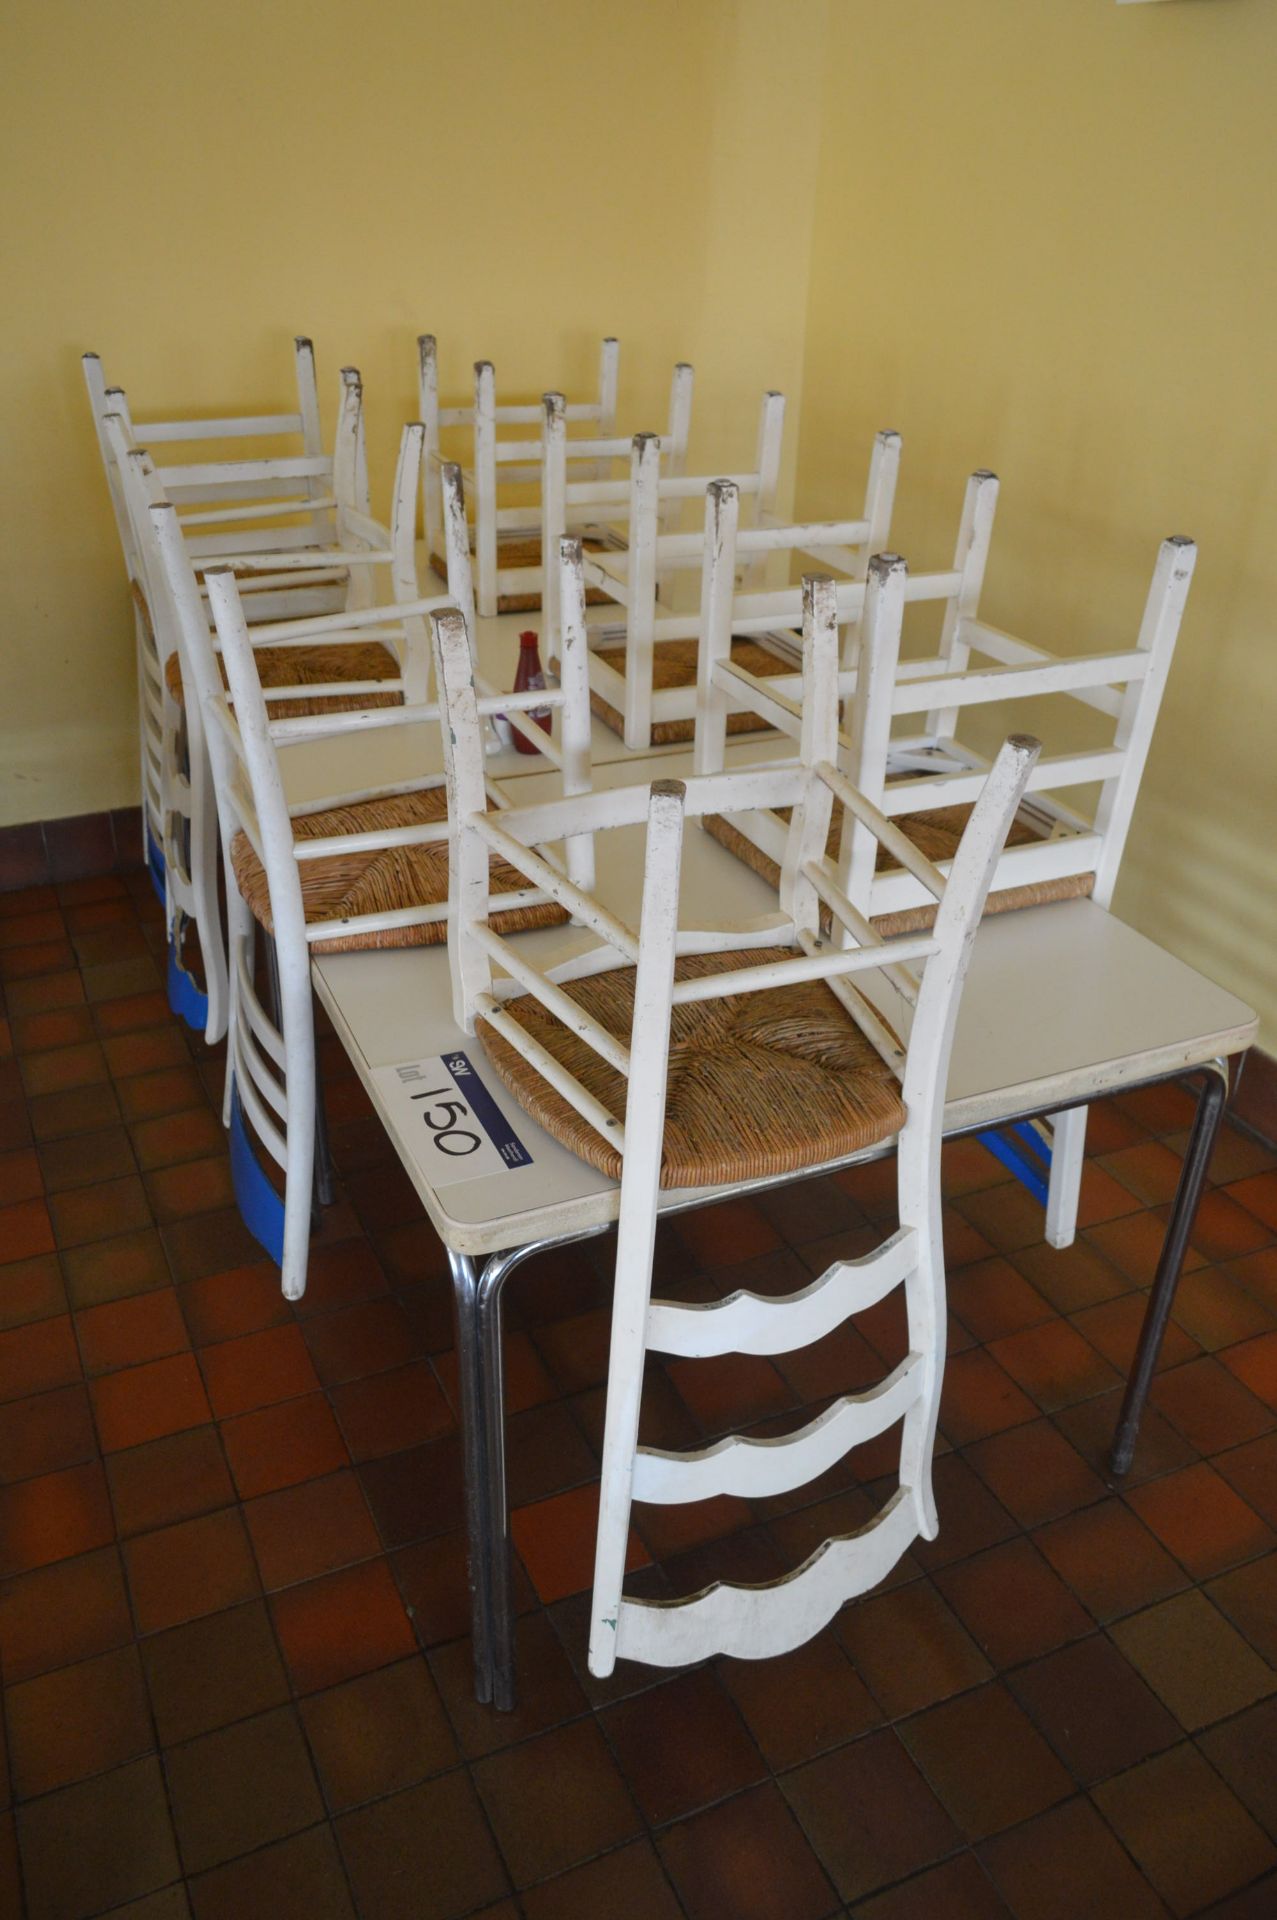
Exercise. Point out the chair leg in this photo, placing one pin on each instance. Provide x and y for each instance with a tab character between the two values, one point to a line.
325	1189
1068	1154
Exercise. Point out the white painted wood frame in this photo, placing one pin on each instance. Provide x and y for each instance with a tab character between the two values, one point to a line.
590	460
497	461
244	745
634	576
975	664
186	805
747	1622
270	521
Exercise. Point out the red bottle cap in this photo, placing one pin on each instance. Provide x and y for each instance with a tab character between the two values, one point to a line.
528	639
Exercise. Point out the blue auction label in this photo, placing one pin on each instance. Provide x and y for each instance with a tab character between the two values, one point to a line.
445	1115
486	1111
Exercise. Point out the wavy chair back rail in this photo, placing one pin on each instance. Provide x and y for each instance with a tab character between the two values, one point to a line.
502	992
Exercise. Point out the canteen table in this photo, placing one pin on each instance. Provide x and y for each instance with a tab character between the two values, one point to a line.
1064	1004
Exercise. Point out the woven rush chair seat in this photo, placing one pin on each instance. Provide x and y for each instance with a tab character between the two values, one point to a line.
526	552
674	665
936	834
759	1084
314	666
379	879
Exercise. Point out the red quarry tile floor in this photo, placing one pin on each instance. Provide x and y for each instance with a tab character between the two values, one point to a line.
233	1600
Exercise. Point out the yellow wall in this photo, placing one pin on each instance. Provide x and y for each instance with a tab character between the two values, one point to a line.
188	183
1044	244
1031	234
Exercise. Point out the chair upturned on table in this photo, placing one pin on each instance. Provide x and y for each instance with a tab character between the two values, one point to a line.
509	541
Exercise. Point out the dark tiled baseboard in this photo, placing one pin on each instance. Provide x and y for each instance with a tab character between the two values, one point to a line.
1255	1100
81	848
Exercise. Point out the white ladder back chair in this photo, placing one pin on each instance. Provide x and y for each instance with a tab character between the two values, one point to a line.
227	487
496	461
286	572
648	499
359	870
732	619
574	744
270	1063
925	779
522	462
730	613
645	677
273	564
105	400
227	497
594	1063
134	479
601	413
238	485
185	825
1065	851
300	424
1126	685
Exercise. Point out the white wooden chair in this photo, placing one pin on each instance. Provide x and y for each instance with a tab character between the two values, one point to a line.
731	613
293	491
301	425
359	658
599	413
620	1051
608	500
644	671
926	778
358	870
508	541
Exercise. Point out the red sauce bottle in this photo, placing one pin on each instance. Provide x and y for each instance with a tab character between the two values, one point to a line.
530	675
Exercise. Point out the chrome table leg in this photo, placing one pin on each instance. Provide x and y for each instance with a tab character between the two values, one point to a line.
1192	1178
